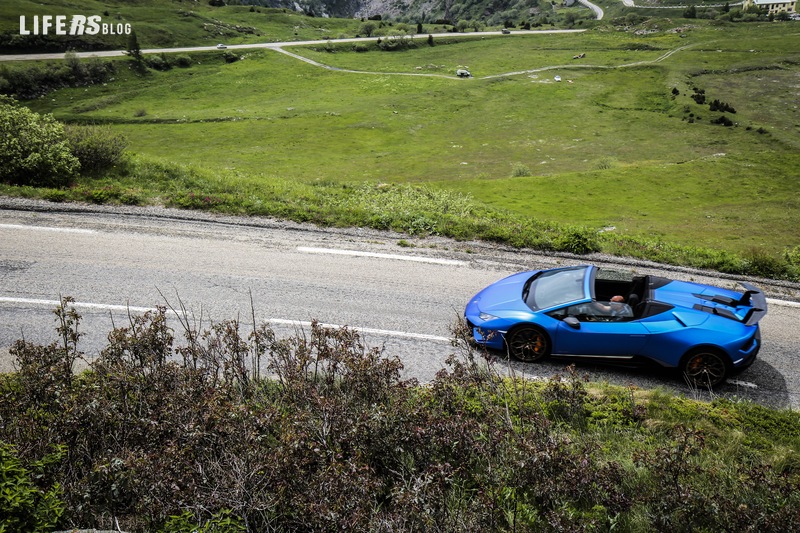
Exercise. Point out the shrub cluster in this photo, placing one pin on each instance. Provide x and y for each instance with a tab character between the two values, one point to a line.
722	120
33	148
318	432
32	81
230	57
39	151
162	61
96	147
724	107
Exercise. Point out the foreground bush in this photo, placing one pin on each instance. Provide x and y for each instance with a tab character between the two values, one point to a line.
232	430
33	148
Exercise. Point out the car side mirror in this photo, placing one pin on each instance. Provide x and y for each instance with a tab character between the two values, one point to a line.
572	322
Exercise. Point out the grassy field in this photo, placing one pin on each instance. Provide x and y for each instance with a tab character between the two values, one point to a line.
619	145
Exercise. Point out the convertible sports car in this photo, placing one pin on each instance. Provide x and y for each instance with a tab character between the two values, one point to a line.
706	332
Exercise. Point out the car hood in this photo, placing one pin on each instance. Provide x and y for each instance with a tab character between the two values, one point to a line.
505	295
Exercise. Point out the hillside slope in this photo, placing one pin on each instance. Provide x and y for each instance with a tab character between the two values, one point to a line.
184	23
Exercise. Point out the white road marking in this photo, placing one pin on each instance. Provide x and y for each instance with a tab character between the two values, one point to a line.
281	321
88	305
47	228
743	383
783	303
386	332
418	259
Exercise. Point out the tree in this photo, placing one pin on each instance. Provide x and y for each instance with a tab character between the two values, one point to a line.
135	51
33	148
690	12
367	28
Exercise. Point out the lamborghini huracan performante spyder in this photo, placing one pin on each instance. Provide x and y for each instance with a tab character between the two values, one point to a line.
706	332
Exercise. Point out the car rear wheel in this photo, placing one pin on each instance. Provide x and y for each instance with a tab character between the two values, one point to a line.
528	343
704	368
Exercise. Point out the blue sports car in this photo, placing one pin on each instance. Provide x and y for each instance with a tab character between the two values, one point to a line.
584	311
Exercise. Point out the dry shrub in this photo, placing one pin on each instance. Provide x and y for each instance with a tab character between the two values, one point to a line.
318	432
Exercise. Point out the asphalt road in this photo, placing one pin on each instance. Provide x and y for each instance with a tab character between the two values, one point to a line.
113	261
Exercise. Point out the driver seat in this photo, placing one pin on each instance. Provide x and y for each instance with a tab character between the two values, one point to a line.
633	302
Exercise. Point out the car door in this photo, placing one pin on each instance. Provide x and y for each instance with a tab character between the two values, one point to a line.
582	335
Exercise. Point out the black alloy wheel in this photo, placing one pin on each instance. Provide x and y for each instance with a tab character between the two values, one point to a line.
704	368
528	343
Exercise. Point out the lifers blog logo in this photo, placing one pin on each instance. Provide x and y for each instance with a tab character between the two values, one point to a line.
72	25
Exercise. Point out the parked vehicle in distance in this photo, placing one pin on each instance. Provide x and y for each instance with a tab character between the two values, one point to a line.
706	332
221	46
463	73
505	31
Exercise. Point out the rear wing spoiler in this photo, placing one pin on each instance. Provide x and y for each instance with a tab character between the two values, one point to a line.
753	298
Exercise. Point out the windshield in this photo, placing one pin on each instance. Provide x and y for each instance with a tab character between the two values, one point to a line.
555	287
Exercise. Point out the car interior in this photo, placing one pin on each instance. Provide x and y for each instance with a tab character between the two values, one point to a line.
636	290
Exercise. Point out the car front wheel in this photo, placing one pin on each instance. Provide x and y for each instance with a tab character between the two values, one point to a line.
704	368
528	343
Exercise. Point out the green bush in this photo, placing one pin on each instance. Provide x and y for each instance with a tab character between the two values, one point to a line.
520	170
183	61
97	148
32	81
230	57
24	507
33	148
578	241
792	256
158	62
761	263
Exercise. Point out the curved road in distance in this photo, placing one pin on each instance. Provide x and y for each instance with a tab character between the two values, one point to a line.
112	260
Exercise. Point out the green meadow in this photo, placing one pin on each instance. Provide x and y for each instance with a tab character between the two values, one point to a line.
620	145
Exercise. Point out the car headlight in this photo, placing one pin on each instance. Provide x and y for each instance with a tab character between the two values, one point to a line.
486	317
